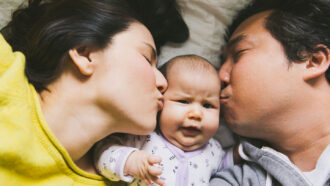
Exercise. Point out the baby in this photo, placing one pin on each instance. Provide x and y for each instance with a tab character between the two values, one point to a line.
181	151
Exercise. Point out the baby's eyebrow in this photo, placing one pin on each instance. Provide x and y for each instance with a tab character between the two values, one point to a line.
213	98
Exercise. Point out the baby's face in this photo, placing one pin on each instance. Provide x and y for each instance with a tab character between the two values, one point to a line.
190	116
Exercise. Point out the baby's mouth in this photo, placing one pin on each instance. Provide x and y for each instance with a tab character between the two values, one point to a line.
190	131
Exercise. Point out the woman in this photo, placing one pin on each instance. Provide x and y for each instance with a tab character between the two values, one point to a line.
89	72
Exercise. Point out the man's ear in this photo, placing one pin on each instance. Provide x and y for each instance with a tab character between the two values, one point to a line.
318	63
80	56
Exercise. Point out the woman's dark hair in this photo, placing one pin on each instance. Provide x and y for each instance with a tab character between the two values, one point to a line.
299	25
45	30
163	19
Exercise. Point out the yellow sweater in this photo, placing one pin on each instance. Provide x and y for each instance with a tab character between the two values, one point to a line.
29	153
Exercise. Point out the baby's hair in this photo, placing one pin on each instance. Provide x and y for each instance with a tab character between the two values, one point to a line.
188	62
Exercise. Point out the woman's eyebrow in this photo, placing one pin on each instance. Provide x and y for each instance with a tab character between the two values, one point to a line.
153	51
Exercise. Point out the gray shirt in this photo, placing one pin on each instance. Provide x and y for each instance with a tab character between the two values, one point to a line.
265	166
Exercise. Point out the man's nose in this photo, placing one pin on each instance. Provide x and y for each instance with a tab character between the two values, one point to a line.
224	75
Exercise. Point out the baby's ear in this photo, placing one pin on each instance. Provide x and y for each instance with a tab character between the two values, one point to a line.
318	63
80	56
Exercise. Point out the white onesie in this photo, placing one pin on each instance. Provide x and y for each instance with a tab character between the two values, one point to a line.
193	168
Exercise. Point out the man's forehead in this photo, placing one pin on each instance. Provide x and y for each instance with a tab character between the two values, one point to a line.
235	40
256	21
246	30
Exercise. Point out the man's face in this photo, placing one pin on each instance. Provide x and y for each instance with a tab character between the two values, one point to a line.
260	86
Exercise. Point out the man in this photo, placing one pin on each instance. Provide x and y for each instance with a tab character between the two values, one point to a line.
276	90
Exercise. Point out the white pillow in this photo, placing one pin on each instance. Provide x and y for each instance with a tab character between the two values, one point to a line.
207	21
6	9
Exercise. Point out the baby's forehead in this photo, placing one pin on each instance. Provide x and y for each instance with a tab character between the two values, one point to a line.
190	63
195	74
188	84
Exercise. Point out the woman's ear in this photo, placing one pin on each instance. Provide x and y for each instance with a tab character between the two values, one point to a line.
318	63
80	56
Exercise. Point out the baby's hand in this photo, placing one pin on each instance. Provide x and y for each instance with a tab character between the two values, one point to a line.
140	165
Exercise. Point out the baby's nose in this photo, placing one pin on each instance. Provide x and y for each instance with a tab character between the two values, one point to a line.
195	113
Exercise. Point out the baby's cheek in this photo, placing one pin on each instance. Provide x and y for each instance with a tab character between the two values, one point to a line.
212	124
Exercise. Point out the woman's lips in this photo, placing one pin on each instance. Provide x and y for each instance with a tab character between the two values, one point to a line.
160	104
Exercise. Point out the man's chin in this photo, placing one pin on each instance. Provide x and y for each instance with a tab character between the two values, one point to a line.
235	126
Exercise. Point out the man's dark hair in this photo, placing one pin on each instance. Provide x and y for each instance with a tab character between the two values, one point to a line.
299	25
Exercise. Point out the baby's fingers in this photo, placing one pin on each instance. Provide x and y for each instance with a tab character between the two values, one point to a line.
153	179
147	182
158	181
154	171
152	159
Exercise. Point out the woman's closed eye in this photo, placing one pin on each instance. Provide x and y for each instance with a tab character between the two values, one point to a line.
149	61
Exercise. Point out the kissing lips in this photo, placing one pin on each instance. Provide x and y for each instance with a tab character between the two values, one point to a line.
224	96
160	103
223	99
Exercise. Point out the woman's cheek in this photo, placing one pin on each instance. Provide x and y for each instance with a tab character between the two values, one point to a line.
146	72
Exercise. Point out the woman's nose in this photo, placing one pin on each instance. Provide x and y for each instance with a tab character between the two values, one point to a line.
161	82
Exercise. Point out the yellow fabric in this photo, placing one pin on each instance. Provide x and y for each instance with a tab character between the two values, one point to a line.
29	152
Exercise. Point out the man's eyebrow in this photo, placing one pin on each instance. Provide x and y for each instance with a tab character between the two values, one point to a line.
153	51
231	43
234	41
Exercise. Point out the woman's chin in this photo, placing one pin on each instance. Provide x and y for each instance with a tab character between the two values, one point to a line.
146	129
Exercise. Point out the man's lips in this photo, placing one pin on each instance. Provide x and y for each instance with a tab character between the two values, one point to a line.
224	99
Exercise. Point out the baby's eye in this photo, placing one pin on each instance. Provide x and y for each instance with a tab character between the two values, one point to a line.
208	105
182	101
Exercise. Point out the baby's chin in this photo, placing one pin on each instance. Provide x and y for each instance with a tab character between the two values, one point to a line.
189	145
185	143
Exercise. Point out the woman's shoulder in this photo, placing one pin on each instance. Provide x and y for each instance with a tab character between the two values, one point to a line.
8	57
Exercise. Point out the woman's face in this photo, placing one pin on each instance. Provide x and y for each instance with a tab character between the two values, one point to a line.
128	85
